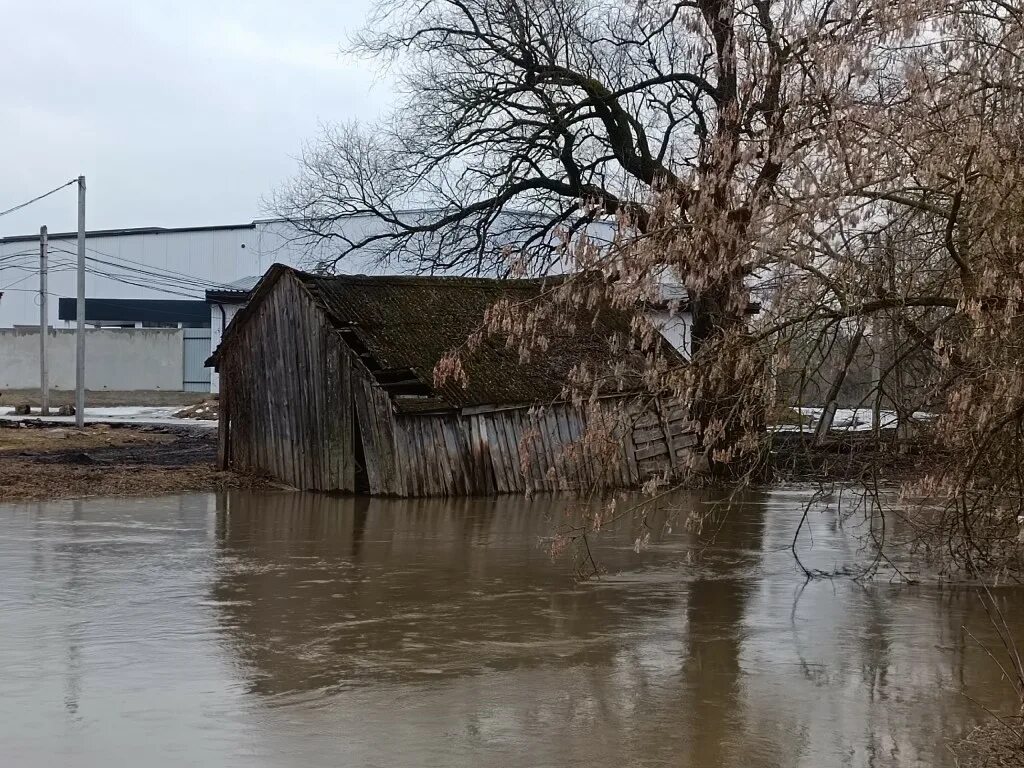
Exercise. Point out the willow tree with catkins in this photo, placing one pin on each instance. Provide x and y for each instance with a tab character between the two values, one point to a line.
956	166
917	253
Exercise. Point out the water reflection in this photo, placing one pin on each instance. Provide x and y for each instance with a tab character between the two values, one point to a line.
715	608
357	591
292	629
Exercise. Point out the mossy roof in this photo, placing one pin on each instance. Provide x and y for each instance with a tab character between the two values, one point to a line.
412	322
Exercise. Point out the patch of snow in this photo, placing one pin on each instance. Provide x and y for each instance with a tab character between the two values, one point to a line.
849	419
134	414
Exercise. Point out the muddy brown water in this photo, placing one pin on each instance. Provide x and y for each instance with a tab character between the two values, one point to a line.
285	629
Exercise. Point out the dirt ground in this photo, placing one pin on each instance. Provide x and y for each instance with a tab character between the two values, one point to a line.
40	462
103	397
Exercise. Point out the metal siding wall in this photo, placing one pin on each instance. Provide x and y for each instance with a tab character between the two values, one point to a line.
196	348
207	256
217	333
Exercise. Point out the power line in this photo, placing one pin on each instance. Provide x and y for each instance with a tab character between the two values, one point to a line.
71	268
147	286
40	197
32	265
28	290
20	280
151	286
149	281
156	279
169	277
21	255
170	272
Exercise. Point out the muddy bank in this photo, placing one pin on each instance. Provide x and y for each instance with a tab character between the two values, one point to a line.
854	457
39	461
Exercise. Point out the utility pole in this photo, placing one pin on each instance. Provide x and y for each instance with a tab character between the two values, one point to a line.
44	327
80	313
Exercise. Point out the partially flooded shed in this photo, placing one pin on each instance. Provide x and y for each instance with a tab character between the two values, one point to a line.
327	384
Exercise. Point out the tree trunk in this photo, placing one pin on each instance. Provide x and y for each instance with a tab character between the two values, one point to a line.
725	408
832	398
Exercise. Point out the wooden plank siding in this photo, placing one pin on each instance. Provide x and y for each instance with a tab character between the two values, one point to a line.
517	450
376	428
292	401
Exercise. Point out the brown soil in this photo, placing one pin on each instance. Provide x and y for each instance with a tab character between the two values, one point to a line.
42	462
103	397
55	439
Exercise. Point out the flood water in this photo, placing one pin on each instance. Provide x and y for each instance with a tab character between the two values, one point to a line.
300	630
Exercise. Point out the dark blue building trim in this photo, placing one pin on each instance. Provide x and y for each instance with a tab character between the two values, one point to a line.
191	313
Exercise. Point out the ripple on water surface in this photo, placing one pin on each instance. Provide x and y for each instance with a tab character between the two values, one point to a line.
246	629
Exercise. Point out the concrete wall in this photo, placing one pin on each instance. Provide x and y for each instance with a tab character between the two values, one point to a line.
121	359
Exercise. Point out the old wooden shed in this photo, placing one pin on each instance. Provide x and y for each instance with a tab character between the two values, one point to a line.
327	384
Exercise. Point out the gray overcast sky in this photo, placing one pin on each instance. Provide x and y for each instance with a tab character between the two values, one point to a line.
179	113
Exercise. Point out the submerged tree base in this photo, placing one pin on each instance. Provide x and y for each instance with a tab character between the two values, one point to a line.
992	745
847	457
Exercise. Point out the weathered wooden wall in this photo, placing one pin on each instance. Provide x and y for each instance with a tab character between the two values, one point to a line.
663	438
376	423
520	450
286	394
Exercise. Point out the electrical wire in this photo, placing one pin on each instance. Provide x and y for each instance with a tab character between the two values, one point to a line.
19	255
169	280
28	290
191	279
169	277
18	281
170	288
40	197
147	286
145	276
